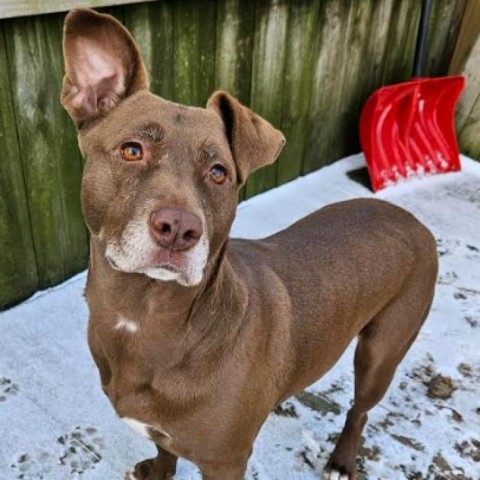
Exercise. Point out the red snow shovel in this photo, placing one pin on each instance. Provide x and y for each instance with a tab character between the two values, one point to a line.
408	129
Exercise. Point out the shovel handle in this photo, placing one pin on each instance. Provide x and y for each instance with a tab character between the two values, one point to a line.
421	39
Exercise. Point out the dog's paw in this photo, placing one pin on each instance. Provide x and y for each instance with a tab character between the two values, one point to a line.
130	475
333	474
150	470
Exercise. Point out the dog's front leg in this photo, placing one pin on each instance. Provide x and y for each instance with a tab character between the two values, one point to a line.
162	467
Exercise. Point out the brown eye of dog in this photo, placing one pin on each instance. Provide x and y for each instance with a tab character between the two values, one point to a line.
131	151
218	174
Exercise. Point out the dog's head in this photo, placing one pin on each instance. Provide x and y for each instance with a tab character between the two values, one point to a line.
161	180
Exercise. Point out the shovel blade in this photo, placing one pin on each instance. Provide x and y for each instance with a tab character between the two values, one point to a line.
408	129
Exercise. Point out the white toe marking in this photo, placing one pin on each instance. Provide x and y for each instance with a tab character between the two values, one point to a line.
130	476
334	475
344	477
128	325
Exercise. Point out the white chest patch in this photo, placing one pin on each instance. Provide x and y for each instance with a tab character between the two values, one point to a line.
142	428
128	325
138	427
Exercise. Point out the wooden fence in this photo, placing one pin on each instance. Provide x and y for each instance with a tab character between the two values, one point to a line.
306	65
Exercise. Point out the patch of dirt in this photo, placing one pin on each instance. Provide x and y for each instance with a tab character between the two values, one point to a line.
303	455
442	469
408	442
424	372
440	387
388	421
456	416
469	448
318	402
412	475
372	453
465	369
286	409
334	388
463	293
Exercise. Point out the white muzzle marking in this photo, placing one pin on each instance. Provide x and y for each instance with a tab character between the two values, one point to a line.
133	252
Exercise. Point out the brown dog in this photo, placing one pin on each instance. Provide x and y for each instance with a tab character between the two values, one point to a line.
198	337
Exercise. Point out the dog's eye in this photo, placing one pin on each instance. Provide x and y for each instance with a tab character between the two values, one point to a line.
218	174
131	151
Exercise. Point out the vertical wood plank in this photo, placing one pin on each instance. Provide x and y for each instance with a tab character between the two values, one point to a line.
443	28
194	51
234	49
297	94
403	27
329	45
468	108
18	268
467	38
468	137
466	62
151	25
48	147
350	53
268	77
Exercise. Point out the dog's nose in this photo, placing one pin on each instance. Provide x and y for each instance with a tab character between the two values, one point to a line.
175	229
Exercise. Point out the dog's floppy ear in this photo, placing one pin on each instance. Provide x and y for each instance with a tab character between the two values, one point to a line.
102	65
253	140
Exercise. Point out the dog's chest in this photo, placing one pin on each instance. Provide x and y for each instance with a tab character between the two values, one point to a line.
137	364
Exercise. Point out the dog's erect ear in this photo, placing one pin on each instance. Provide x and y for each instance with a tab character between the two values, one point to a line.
102	65
253	140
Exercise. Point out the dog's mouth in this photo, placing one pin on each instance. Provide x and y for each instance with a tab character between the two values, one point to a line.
167	266
183	266
169	260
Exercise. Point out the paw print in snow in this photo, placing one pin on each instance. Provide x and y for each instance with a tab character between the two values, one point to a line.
77	451
82	449
7	388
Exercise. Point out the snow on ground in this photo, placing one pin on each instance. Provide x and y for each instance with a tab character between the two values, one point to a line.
56	424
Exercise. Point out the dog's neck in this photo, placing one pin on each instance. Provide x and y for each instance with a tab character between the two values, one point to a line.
171	306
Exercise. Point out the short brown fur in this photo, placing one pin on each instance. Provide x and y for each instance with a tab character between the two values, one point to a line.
210	361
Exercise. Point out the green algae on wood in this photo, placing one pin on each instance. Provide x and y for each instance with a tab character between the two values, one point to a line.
48	147
268	72
18	269
194	51
151	25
